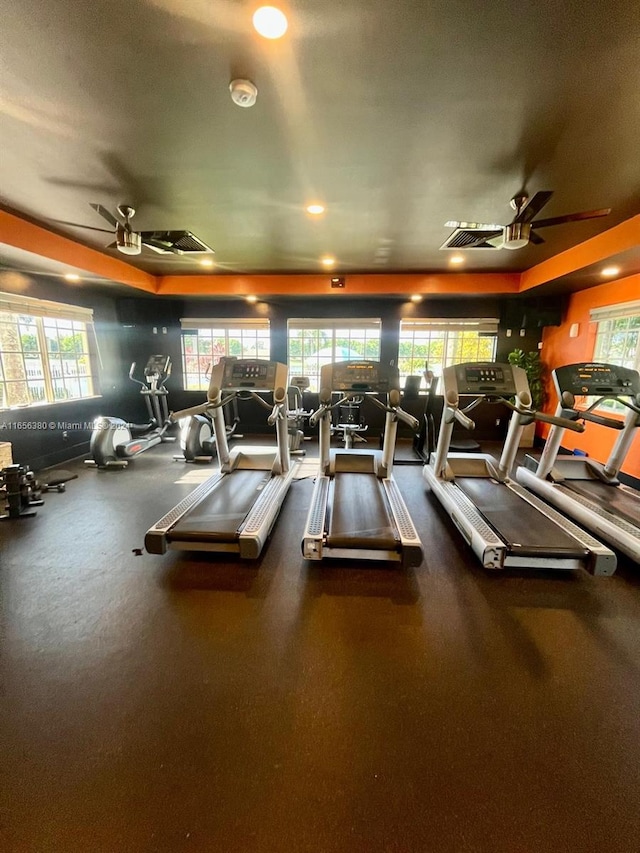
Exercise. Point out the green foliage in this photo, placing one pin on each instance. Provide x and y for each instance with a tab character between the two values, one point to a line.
534	367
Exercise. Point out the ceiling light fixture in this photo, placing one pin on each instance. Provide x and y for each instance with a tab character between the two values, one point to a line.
315	209
252	299
609	272
206	262
456	259
416	297
270	22
72	276
327	262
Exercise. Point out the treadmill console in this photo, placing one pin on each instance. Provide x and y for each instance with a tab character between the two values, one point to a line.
594	379
362	376
485	378
250	374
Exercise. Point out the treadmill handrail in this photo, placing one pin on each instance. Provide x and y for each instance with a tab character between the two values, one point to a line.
543	417
324	408
398	413
463	419
612	423
200	409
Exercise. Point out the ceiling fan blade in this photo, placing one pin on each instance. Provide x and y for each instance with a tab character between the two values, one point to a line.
152	242
112	246
571	217
78	225
481	226
535	238
534	206
104	213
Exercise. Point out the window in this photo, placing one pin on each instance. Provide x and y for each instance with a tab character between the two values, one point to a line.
204	342
441	343
617	339
313	343
44	351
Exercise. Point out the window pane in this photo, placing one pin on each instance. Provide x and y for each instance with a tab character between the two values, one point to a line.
212	343
310	348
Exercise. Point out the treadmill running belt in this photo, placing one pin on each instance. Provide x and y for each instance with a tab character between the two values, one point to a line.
218	517
359	514
526	530
614	499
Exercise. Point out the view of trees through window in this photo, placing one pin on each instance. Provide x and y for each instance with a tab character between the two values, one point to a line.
439	347
201	348
618	342
43	360
310	347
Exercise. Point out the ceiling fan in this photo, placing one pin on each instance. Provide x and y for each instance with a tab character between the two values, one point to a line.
131	242
519	232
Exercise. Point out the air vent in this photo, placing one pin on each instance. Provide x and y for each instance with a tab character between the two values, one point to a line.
464	238
174	242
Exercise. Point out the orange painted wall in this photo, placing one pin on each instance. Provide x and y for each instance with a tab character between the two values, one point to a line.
558	349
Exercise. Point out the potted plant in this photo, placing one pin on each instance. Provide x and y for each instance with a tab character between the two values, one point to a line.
534	367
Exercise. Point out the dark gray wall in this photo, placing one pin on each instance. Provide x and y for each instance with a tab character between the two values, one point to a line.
131	329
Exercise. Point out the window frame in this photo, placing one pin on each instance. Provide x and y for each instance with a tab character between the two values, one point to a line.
46	320
365	332
606	317
220	328
448	332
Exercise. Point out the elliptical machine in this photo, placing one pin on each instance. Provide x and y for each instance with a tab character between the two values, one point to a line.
114	441
197	438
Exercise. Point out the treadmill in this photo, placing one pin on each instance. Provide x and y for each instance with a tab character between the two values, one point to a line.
505	525
582	488
235	509
357	511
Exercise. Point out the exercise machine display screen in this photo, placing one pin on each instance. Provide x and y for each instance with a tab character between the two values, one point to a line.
250	373
363	376
157	364
491	375
593	379
485	378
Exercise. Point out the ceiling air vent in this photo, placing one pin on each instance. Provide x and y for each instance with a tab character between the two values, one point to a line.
174	242
467	238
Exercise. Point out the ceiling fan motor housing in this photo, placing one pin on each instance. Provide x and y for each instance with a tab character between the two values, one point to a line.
516	235
128	242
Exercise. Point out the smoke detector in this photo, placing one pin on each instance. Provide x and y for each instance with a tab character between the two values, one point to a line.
243	92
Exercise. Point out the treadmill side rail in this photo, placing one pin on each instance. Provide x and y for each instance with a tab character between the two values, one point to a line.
263	514
481	538
622	535
409	539
314	527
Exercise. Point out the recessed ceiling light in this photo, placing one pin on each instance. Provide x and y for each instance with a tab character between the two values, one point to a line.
206	262
270	22
72	276
456	259
315	209
327	262
608	272
252	299
416	297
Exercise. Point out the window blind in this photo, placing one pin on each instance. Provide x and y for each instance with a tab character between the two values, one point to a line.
244	323
452	324
615	312
15	304
331	323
